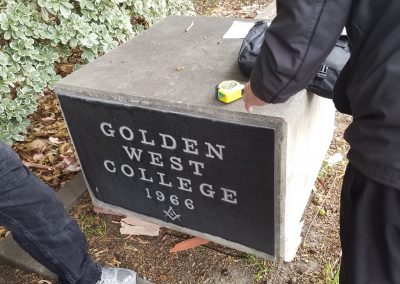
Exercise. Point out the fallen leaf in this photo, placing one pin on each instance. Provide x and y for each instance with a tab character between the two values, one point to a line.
189	244
74	167
130	247
134	226
48	119
38	157
116	262
66	68
44	282
35	165
2	231
64	148
38	145
55	140
50	157
69	160
142	241
101	252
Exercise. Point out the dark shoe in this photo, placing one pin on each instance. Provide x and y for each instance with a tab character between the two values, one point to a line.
112	275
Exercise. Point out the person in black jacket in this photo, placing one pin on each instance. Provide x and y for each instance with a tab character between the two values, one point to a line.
296	44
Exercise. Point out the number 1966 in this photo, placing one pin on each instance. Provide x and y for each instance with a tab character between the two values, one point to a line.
173	199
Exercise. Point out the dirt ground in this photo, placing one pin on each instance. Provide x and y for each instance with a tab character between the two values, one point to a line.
318	257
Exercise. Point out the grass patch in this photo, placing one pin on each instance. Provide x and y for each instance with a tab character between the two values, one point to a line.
260	265
91	225
331	274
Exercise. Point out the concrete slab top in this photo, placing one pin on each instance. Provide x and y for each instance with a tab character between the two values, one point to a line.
170	65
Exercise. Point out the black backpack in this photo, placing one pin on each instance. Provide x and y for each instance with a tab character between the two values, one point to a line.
251	47
323	82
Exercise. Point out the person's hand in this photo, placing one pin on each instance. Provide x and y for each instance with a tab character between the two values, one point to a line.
250	99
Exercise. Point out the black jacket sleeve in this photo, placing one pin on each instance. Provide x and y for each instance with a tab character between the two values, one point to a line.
296	44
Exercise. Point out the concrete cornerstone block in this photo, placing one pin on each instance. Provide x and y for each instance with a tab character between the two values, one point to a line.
154	141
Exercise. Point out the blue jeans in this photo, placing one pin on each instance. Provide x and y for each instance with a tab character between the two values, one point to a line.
40	225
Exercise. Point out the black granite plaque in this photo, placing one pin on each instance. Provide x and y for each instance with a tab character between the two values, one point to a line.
209	176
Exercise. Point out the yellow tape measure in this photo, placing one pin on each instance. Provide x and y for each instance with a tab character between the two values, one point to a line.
229	91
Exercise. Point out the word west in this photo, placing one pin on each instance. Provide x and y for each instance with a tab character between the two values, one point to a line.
164	159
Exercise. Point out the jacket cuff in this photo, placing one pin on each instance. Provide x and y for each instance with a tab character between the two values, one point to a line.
260	86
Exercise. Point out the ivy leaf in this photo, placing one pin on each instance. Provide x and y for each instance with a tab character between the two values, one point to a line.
42	3
5	25
65	12
38	33
16	57
68	5
4	89
7	35
45	14
18	137
73	43
56	6
3	59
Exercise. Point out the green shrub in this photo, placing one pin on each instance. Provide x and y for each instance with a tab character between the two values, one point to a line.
35	34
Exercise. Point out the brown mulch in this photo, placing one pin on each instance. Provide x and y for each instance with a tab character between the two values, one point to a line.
49	153
47	149
231	8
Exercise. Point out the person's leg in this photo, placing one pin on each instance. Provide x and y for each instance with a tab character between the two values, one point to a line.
40	225
370	231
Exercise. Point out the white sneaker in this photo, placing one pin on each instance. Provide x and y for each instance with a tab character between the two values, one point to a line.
111	275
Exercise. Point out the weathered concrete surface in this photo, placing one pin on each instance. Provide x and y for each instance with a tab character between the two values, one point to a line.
12	254
296	200
319	131
168	69
268	13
